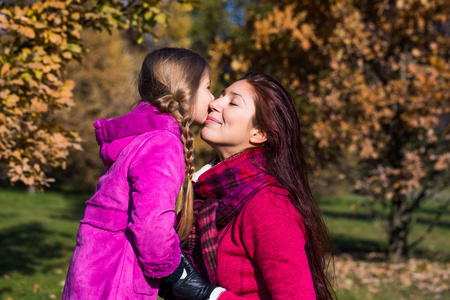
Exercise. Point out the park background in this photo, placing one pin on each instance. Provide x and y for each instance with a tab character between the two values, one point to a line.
371	85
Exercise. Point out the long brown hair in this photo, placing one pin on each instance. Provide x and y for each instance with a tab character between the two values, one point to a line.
169	79
276	116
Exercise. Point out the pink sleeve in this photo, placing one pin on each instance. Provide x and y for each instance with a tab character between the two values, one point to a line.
156	175
272	235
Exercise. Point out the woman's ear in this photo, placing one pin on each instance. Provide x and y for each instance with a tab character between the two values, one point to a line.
257	136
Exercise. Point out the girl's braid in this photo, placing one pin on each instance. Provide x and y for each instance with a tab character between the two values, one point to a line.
177	105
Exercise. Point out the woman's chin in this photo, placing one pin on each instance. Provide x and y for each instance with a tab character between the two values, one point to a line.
205	135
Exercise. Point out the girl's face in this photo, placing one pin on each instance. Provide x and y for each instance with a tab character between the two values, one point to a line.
204	97
229	126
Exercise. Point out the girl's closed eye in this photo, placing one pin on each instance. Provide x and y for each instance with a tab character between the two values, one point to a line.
233	104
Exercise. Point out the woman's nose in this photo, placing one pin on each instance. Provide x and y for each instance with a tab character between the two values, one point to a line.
215	105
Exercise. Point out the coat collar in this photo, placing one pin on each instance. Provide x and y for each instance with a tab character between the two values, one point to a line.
115	134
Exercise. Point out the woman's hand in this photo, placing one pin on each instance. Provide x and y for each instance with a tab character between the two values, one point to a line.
193	286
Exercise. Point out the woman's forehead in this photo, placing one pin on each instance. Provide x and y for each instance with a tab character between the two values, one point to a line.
241	87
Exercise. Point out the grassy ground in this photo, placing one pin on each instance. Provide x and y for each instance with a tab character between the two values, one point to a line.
361	270
353	229
37	237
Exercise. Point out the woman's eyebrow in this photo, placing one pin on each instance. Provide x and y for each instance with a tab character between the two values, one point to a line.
236	94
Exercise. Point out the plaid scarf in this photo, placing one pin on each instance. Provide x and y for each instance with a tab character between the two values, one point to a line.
221	193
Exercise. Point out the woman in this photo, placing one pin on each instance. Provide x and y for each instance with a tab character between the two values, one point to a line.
258	233
127	241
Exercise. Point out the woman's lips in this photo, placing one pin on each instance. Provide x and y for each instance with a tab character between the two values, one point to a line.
212	120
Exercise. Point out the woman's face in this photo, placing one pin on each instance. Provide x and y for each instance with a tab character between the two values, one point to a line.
229	126
204	97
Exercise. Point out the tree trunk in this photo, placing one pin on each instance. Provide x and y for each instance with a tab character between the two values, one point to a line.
31	189
399	227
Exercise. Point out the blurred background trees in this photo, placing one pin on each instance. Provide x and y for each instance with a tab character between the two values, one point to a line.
370	80
104	89
39	39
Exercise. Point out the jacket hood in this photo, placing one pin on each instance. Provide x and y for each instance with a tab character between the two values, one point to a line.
115	134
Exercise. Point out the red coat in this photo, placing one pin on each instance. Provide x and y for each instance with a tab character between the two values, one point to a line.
261	254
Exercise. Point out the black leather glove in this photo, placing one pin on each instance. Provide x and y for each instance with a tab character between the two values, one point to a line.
165	290
165	284
192	287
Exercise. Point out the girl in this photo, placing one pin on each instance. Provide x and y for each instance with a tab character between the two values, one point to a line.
258	233
127	240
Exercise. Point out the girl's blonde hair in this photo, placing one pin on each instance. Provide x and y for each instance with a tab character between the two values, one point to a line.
169	79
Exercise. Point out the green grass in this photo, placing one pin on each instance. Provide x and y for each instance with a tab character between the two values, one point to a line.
352	228
353	231
37	238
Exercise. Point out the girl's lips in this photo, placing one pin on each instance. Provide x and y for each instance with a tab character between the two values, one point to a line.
212	120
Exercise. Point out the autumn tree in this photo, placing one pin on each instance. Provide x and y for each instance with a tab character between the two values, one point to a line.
106	87
371	78
39	39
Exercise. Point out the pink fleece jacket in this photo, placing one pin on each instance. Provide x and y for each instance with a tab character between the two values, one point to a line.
127	239
261	254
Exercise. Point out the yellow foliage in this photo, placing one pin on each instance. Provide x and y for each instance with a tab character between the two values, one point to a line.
38	41
373	81
4	69
38	106
443	162
27	32
54	38
12	100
